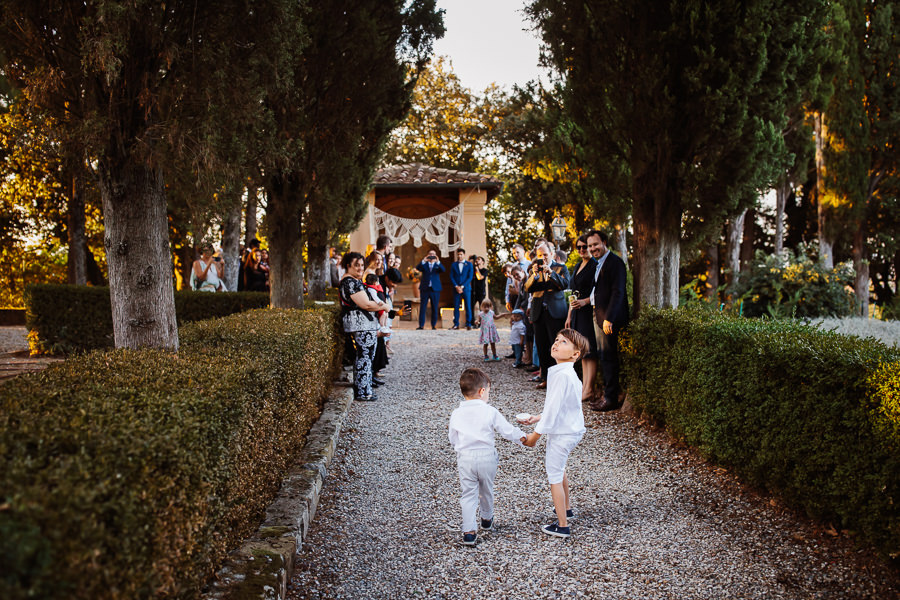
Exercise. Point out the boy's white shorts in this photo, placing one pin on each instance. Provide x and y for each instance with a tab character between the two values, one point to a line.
558	448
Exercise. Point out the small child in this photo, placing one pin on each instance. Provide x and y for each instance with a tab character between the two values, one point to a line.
562	422
517	335
489	333
472	428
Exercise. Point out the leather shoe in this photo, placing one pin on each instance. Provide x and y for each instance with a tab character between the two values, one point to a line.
455	327
541	386
513	355
418	328
603	405
468	328
533	369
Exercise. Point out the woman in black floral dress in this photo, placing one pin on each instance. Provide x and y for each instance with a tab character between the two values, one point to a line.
359	321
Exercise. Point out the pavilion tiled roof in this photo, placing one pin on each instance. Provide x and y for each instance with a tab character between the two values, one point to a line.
421	175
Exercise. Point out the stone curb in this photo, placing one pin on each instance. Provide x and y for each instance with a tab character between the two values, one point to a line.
263	566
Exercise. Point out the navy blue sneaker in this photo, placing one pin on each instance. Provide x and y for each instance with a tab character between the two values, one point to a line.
487	524
556	530
469	539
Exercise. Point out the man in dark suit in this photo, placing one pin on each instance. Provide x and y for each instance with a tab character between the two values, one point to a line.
546	281
429	287
461	274
610	315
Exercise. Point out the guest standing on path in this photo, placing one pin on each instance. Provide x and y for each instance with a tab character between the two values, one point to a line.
479	282
546	283
581	315
489	334
358	320
429	287
461	274
610	303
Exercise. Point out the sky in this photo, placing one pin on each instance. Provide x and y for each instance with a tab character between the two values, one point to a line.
486	43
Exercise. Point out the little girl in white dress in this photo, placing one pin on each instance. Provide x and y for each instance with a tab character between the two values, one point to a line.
488	330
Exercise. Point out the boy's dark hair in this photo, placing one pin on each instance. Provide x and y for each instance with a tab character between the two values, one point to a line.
472	380
371	279
579	341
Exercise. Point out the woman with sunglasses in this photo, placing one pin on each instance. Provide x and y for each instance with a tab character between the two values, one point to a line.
582	319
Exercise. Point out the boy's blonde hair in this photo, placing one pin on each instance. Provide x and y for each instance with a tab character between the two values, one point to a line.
472	380
579	341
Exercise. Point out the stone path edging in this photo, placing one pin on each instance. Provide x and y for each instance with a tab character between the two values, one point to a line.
263	566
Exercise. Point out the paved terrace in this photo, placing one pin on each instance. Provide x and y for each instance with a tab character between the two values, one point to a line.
653	519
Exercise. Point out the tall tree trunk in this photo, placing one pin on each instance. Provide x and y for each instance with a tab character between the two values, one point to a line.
250	224
712	272
285	245
137	252
657	243
748	245
317	265
621	243
733	251
826	243
861	267
781	193
76	264
231	251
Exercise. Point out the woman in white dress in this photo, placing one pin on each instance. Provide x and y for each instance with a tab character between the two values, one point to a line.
207	271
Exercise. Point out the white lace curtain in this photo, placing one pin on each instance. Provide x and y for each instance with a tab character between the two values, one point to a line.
434	229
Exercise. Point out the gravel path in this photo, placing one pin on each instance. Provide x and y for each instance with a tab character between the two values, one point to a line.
653	520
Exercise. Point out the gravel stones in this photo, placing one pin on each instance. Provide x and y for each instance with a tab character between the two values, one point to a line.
652	519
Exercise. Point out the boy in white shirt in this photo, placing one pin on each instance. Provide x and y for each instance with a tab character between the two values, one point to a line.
472	429
562	422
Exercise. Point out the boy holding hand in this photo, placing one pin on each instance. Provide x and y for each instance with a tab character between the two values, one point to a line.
562	422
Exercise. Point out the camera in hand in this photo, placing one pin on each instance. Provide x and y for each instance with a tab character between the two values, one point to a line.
539	262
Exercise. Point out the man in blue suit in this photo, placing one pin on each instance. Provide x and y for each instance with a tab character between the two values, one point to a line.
461	274
429	287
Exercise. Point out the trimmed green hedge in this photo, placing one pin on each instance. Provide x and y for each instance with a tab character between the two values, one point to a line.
812	415
69	318
130	474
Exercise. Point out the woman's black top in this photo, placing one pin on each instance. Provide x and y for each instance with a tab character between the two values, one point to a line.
583	318
479	286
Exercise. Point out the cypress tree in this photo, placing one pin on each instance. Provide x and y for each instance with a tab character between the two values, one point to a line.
863	125
678	90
